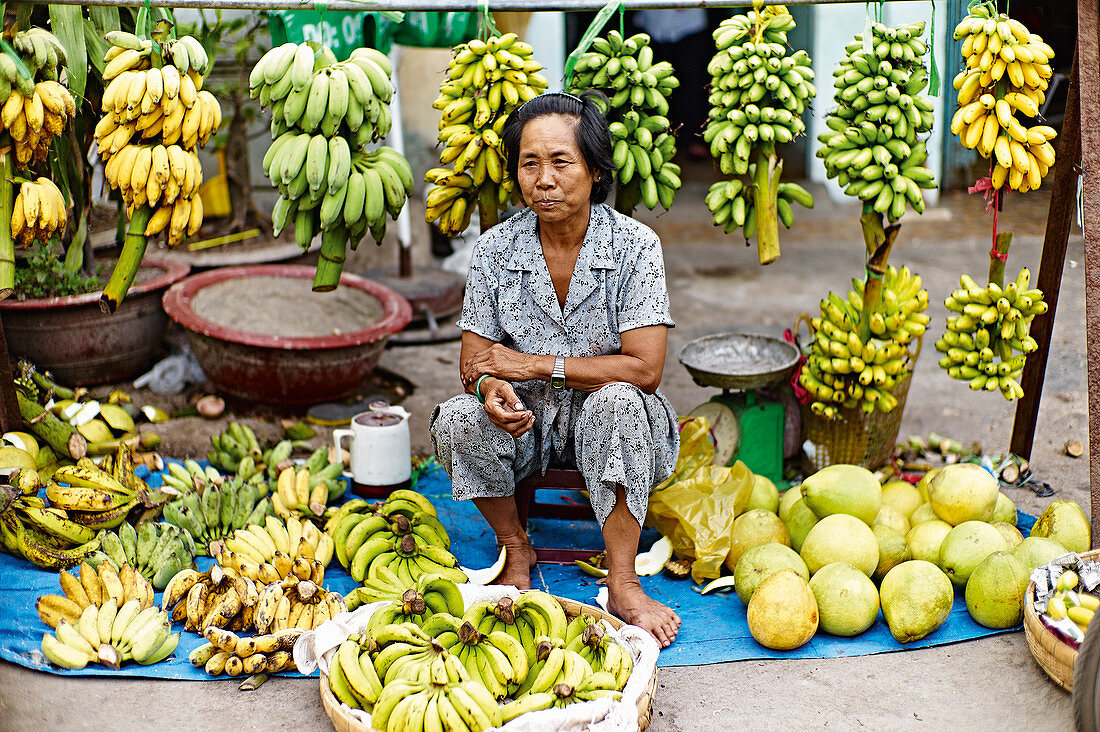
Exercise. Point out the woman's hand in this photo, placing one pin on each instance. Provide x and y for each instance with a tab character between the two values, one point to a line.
499	361
505	409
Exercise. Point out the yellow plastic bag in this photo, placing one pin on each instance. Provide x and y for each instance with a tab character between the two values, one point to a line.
695	508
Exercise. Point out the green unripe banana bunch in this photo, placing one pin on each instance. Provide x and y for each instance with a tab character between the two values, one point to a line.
623	68
1007	71
158	551
871	146
643	148
987	341
845	370
324	114
486	80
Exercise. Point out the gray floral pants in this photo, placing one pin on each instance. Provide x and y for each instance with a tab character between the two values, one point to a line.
620	436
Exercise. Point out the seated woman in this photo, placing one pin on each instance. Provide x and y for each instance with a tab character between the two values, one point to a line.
564	327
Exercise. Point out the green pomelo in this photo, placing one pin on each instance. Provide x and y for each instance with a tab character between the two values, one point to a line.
847	601
764	495
752	528
893	549
847	489
916	599
840	538
995	591
963	492
782	613
892	517
921	514
965	547
1004	510
1065	522
800	519
922	486
1009	533
925	538
902	495
761	562
1037	551
787	499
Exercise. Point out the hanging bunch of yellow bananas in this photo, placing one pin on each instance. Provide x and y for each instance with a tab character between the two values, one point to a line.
486	80
39	211
1007	68
34	112
850	366
155	116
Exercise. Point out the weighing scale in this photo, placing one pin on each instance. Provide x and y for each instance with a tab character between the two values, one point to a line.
746	425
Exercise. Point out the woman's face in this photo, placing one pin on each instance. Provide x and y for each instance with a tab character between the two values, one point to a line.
553	176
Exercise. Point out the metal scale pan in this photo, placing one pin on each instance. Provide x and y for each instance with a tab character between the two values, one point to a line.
739	361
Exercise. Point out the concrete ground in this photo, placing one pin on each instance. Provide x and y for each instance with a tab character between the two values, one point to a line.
716	286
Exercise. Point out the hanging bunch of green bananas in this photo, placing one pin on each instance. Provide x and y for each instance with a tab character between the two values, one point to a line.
846	369
986	343
158	551
638	91
871	146
1007	71
485	81
34	108
219	509
324	114
757	98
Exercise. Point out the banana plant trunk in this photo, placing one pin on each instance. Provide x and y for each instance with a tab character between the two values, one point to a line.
133	251
334	244
7	246
765	189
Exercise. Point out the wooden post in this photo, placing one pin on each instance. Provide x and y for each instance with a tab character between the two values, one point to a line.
1063	202
10	419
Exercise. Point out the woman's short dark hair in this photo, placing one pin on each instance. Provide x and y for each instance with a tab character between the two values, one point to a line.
591	131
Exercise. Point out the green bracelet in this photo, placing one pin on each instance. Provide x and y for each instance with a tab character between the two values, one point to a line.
477	387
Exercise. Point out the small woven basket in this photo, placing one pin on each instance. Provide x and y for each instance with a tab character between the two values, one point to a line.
344	722
1054	655
853	437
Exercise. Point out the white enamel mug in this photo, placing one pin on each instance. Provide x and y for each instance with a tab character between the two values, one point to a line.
381	454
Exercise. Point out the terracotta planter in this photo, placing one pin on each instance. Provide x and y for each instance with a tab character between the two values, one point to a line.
71	337
280	369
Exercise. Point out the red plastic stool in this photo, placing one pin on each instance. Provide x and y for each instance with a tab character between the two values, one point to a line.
557	479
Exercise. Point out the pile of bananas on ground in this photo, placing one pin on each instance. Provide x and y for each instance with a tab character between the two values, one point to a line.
227	653
324	113
1007	68
263	544
302	492
34	109
158	551
871	146
92	585
218	509
757	97
155	116
231	447
455	672
486	80
845	371
402	535
638	90
986	343
111	635
439	594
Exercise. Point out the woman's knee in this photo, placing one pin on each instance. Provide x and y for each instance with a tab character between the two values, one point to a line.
457	420
619	400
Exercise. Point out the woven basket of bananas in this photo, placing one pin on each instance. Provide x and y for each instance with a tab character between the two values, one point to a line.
852	435
343	721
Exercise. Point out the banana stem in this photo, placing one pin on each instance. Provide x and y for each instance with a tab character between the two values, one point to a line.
7	246
129	261
765	188
879	241
333	252
998	257
627	196
61	436
488	214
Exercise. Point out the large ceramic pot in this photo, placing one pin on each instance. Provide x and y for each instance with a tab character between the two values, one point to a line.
262	335
80	344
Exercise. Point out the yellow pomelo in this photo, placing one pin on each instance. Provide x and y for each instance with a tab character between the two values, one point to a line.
751	528
965	547
800	519
893	549
1009	533
764	495
925	538
1004	510
847	489
787	499
963	492
902	495
761	562
921	514
892	517
916	599
782	613
922	486
1065	522
840	538
1035	551
996	589
847	601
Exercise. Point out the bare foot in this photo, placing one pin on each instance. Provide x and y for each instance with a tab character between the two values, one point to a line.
517	563
627	600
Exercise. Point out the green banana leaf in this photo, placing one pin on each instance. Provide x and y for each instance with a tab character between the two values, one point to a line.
67	22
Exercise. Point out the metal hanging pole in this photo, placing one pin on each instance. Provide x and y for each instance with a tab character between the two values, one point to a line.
447	5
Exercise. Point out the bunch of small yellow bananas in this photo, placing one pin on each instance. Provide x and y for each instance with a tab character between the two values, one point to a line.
1007	68
39	211
486	80
154	118
34	112
844	370
992	323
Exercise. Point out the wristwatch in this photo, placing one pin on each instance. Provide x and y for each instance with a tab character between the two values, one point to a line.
557	379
